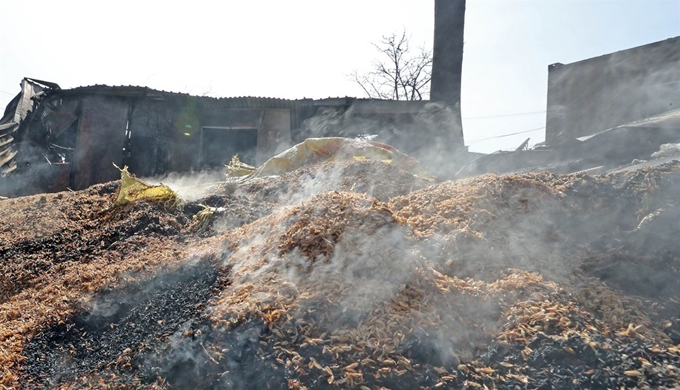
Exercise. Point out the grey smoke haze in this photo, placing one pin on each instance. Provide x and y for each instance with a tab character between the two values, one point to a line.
190	186
429	133
375	261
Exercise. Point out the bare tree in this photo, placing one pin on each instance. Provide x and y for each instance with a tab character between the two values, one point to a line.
400	74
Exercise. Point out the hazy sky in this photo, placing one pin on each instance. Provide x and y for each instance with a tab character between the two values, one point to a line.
307	48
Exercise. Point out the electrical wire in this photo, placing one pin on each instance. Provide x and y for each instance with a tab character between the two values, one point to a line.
505	115
505	135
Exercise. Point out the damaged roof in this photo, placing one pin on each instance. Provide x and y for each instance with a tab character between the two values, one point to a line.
15	112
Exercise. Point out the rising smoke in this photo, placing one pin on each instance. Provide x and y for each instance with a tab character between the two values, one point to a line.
428	276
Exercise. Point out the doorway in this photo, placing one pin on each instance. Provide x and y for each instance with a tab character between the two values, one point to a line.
220	144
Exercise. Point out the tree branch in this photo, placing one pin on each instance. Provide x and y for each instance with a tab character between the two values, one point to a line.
400	74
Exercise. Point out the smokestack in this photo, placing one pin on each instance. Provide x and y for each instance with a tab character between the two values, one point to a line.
447	57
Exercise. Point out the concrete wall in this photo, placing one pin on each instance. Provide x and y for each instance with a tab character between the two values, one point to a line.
593	95
274	135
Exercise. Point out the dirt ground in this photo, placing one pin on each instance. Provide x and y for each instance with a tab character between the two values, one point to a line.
348	275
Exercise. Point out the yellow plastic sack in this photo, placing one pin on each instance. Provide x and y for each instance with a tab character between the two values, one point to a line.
314	150
132	189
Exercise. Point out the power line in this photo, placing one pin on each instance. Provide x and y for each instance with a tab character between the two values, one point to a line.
506	135
506	115
9	93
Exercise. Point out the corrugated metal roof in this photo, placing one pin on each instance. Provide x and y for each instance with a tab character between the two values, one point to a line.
231	102
255	102
139	91
122	90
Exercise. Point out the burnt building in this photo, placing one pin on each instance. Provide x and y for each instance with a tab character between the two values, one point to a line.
53	139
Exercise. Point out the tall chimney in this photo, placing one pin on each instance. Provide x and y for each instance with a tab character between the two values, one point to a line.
447	58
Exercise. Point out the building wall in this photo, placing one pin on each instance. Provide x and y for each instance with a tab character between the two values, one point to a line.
593	95
274	135
183	135
157	143
167	135
100	142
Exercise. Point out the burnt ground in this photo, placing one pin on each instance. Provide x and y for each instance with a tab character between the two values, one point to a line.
574	364
123	322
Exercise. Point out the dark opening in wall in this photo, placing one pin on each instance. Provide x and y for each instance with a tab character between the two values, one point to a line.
219	145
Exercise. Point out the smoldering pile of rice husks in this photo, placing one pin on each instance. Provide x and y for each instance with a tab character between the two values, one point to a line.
349	275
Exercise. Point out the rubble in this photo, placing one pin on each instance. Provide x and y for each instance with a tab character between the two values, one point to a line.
348	275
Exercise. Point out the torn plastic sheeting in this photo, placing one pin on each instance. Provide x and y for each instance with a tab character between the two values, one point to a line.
314	150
